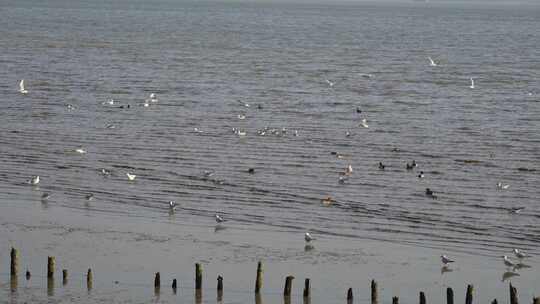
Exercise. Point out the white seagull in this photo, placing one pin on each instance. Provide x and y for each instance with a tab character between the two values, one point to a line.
34	180
219	219
472	83
245	104
431	62
364	124
308	237
331	84
108	102
80	150
131	176
508	262
519	254
172	205
153	98
22	90
516	209
241	116
446	259
502	186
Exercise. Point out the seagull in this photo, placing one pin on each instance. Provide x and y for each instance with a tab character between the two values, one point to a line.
105	172
348	170
34	180
430	193
219	219
80	150
472	83
342	180
409	166
431	62
520	254
327	201
172	205
45	196
446	259
108	102
241	116
146	104
89	196
516	209
502	186
208	173
508	262
245	104
364	124
421	175
358	110
331	84
70	107
347	134
22	90
414	163
197	130
131	176
110	126
295	133
381	166
308	237
366	75
153	97
241	132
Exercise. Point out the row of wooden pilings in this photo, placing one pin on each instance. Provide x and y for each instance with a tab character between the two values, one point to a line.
51	264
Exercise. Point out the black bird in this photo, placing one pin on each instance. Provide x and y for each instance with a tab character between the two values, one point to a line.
414	163
430	193
381	166
421	175
358	110
251	170
409	166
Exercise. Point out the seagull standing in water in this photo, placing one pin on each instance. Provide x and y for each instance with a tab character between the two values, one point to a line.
172	206
331	84
153	98
219	219
34	180
363	123
445	260
508	262
131	176
520	254
308	237
472	83
516	209
431	62
502	186
22	90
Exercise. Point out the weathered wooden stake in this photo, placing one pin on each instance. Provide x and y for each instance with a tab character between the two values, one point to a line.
259	280
28	274
64	277
50	286
374	295
395	300
51	263
89	279
198	296
536	300
198	276
14	282
349	296
219	288
14	261
157	280
494	301
469	295
288	286
174	285
449	296
258	298
513	295
422	298
307	289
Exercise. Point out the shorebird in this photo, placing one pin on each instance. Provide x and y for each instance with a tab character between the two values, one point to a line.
430	193
363	123
327	201
45	196
431	62
241	132
172	205
366	75
421	175
34	180
409	166
105	172
508	262
472	83
22	90
516	209
348	170
245	104
308	237
89	196
445	260
80	150
131	176
219	219
108	102
502	186
331	84
358	110
381	166
520	254
241	116
153	98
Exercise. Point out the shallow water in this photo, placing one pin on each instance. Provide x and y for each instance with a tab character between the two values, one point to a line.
202	58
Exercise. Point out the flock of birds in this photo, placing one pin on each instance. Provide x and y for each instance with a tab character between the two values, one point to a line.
520	255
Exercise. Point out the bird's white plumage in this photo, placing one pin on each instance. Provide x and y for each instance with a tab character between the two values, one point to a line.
131	176
364	123
308	237
219	219
445	260
472	83
22	89
431	62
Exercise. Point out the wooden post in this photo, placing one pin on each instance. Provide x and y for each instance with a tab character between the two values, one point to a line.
64	277
422	298
513	295
395	300
14	261
198	296
198	276
449	296
349	296
50	286
259	280
374	295
157	280
219	288
536	300
307	289
51	262
89	279
288	286
174	286
258	298
469	295
28	274
494	301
